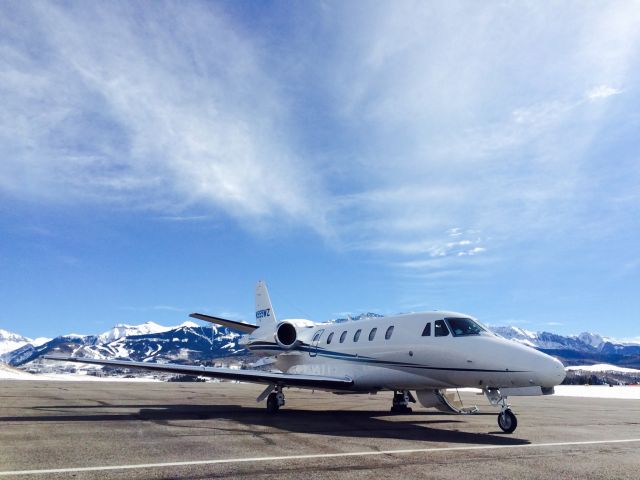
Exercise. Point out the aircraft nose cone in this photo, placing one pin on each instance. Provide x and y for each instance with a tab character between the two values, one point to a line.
552	373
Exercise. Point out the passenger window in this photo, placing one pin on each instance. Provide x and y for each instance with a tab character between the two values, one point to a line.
316	337
440	329
343	336
387	335
357	335
329	338
372	334
427	330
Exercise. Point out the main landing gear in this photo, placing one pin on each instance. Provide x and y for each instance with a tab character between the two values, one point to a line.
401	401
274	396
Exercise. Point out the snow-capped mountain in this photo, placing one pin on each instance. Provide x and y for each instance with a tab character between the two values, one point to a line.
186	343
124	330
11	341
588	342
584	348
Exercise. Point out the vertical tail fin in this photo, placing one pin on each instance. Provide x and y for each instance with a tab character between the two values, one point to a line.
264	311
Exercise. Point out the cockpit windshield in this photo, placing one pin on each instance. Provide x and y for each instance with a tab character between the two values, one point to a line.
464	326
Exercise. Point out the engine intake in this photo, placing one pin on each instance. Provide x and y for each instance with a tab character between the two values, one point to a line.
287	335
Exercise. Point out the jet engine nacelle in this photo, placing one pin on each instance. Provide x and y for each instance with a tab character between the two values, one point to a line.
290	333
287	335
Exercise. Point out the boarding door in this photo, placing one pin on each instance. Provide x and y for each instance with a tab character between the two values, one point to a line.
313	351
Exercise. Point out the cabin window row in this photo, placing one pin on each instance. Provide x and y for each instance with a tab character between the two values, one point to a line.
356	336
460	327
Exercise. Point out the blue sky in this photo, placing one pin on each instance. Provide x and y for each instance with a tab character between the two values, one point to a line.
158	158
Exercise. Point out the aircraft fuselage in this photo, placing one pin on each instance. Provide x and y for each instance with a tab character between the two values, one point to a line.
411	355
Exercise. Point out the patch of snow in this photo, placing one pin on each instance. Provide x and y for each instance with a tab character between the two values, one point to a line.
598	391
9	346
592	339
626	392
40	341
11	341
188	323
525	333
124	330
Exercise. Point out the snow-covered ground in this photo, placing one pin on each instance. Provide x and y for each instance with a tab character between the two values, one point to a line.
587	391
9	373
599	391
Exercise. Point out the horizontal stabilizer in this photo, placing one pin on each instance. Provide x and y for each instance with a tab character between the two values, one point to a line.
252	376
233	324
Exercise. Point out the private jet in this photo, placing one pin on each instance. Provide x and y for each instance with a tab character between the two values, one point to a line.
432	354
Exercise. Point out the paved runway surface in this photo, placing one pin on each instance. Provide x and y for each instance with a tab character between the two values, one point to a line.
216	430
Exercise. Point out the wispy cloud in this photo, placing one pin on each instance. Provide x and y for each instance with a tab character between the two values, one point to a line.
478	130
435	136
602	91
164	108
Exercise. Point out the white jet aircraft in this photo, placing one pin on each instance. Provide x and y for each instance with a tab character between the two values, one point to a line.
425	352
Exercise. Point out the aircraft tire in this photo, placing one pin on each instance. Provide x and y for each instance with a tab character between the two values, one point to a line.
507	421
272	403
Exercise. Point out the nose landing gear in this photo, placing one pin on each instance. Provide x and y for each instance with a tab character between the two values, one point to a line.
507	420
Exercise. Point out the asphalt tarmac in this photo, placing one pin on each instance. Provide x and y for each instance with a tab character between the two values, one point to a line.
216	430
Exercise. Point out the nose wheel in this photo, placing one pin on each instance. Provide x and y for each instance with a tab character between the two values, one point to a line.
507	420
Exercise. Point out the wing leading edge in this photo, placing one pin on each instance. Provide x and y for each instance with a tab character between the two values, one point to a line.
253	376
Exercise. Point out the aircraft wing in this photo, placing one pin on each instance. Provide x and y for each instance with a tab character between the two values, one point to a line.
253	376
233	324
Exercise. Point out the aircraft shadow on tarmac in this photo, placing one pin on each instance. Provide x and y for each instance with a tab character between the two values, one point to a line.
418	426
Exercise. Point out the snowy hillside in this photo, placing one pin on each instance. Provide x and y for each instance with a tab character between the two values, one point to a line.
588	342
586	348
185	343
123	330
11	341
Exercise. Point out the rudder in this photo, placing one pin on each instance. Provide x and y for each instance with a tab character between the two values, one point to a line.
264	311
